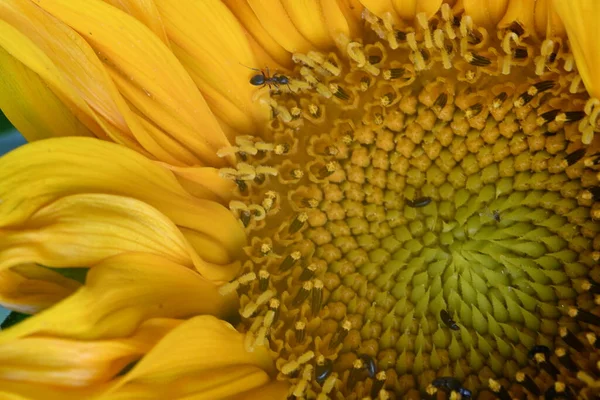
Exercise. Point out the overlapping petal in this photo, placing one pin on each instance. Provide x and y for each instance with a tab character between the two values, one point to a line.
122	292
579	18
30	288
42	172
202	358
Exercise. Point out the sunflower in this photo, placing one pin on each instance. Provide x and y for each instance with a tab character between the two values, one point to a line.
382	199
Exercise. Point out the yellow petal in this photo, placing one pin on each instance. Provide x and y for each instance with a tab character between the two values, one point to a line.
71	69
204	182
408	9
146	12
203	358
276	21
241	9
11	390
149	75
22	91
43	171
212	46
308	18
547	21
274	390
83	229
384	9
122	292
579	19
520	11
77	363
31	288
341	22
486	13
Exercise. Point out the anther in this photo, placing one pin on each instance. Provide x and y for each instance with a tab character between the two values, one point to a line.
528	383
499	389
251	307
317	297
265	249
570	116
520	53
308	272
298	222
338	91
323	369
245	217
441	100
357	366
418	202
289	261
365	83
274	306
233	285
499	99
328	170
569	338
589	286
340	334
540	87
575	156
282	149
541	355
547	117
473	111
401	36
374	59
302	293
300	329
263	280
584	316
558	391
517	28
393	73
387	99
565	360
378	383
477	60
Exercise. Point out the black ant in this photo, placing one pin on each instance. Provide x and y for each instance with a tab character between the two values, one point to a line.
265	79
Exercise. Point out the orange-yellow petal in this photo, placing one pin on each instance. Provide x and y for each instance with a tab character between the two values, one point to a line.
149	76
547	21
485	13
274	390
146	12
77	363
122	292
203	358
12	390
308	18
212	46
44	171
83	229
520	11
277	22
579	18
341	22
72	70
21	91
204	182
408	9
30	288
241	9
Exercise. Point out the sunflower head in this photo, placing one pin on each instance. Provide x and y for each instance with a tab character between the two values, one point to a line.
400	198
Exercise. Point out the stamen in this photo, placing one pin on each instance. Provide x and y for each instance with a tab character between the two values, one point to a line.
308	272
323	369
477	60
340	334
289	261
499	389
565	360
317	297
569	338
378	384
528	383
303	293
584	316
263	280
233	285
300	331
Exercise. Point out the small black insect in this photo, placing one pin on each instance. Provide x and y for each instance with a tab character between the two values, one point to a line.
496	215
322	371
265	78
447	319
420	202
369	364
451	384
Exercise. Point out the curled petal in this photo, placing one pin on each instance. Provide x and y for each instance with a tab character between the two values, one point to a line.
30	288
341	22
147	73
122	292
44	171
77	363
204	357
520	11
86	228
547	21
408	9
308	18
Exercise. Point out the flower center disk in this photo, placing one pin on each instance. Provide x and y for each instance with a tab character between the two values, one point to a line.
421	213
